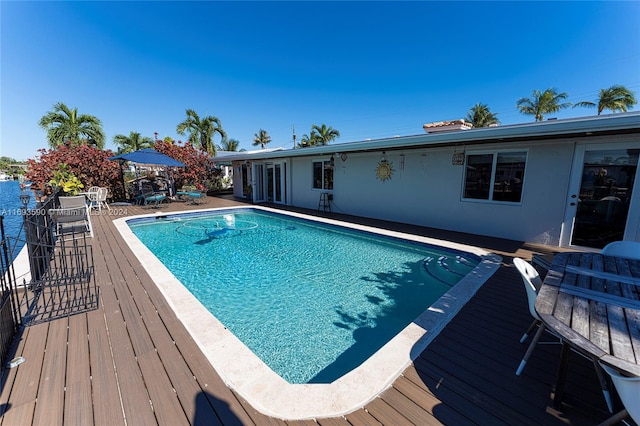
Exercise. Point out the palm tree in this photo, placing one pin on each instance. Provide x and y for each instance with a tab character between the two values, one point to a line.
325	134
615	98
230	145
481	116
261	138
543	103
201	131
64	125
312	139
133	142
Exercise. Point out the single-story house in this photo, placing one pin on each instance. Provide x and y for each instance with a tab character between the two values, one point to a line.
563	182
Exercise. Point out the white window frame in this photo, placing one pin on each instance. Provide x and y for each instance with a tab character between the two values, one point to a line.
495	153
322	162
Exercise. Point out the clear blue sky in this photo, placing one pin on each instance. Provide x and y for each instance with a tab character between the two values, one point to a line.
368	69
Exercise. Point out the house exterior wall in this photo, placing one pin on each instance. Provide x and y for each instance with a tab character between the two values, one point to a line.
427	191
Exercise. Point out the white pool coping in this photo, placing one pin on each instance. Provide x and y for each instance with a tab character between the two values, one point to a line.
21	267
265	390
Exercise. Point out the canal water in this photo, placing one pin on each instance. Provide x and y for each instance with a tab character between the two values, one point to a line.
10	208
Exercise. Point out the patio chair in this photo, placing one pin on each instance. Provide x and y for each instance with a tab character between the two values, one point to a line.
532	284
153	199
92	198
629	392
630	249
191	193
102	198
73	201
74	221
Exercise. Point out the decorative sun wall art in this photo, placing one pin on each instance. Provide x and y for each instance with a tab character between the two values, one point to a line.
384	170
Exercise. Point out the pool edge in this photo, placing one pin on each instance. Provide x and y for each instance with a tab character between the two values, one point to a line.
268	392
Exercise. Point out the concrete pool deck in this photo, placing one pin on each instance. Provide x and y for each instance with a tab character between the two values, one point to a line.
264	389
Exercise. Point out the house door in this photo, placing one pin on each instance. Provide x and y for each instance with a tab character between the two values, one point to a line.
601	204
270	181
258	183
276	183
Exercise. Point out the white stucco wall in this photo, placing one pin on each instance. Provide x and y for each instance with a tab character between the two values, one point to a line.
427	191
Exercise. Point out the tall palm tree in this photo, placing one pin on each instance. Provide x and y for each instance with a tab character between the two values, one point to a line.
201	130
481	116
261	138
615	98
230	145
65	125
543	103
133	142
325	134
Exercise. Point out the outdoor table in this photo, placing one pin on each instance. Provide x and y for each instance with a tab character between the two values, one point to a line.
592	302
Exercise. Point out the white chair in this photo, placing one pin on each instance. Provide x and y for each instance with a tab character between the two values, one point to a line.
102	198
532	284
629	392
630	249
92	197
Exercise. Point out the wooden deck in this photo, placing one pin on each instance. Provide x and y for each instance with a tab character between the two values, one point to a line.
131	362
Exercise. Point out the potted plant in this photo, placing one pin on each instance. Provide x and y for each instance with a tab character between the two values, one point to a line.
66	181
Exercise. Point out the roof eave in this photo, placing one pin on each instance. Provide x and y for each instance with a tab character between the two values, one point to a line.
622	123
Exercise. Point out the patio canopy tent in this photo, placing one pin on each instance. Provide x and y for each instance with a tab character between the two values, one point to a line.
146	156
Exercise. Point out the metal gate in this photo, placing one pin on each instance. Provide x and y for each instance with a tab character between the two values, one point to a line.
60	281
62	272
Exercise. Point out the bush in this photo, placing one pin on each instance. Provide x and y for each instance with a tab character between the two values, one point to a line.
88	163
200	168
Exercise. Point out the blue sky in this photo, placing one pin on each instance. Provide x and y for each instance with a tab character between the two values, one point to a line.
367	69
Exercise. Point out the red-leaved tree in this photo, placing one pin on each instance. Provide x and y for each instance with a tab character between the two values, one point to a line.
87	163
200	168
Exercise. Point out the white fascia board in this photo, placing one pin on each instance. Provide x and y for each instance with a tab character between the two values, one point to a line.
538	130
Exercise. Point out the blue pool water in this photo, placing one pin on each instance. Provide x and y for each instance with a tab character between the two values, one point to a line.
312	300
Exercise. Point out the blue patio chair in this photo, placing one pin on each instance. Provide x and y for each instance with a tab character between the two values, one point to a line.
153	199
191	193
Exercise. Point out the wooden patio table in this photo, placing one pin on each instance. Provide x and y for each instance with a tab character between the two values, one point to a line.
592	302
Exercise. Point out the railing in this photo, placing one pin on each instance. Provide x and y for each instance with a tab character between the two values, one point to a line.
61	279
10	317
38	235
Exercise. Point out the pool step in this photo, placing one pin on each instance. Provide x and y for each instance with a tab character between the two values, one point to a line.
447	269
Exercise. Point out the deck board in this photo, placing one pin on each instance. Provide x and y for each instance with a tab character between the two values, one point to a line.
78	408
107	407
51	388
358	418
20	399
131	361
133	391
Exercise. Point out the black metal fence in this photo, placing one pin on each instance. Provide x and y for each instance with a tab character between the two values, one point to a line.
9	313
60	281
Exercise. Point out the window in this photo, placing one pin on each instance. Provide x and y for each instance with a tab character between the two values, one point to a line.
496	176
322	175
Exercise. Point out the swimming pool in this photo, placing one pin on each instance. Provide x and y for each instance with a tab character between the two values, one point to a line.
326	387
